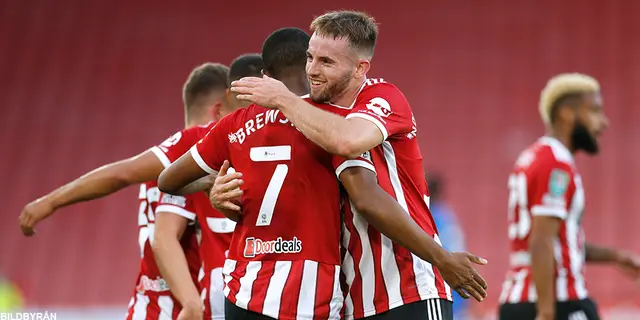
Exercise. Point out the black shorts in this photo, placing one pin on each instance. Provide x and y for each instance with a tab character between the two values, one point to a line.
233	312
569	310
432	309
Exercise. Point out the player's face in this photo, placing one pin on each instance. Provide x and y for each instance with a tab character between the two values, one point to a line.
331	65
590	122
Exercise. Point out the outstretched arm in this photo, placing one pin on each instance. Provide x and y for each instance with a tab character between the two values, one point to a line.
386	215
98	183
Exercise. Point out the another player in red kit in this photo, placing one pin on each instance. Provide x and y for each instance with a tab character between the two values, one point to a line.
215	228
152	299
279	265
546	279
384	278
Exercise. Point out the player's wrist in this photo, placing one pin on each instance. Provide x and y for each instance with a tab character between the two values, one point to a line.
442	258
194	304
286	100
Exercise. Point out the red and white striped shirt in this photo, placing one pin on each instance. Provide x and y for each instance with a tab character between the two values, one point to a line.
545	182
284	258
216	231
215	228
380	274
152	299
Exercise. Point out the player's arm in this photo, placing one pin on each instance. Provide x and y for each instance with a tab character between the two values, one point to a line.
387	216
98	183
548	186
180	174
628	262
595	253
203	184
171	222
208	153
544	230
340	136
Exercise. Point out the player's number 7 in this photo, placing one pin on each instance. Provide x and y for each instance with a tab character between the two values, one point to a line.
275	184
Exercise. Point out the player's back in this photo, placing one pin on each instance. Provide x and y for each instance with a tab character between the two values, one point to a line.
545	182
284	258
290	191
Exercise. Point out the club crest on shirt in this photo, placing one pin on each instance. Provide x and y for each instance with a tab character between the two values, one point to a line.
558	182
379	106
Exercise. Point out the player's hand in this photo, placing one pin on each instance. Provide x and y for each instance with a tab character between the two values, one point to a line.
225	193
457	270
191	312
265	91
629	263
33	213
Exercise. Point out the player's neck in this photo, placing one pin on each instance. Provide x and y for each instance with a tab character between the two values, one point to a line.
349	95
564	138
197	121
296	84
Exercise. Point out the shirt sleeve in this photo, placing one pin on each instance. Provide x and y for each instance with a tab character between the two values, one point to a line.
211	151
364	161
385	106
175	146
551	189
182	206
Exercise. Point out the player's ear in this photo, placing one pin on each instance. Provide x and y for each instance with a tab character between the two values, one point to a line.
363	68
216	110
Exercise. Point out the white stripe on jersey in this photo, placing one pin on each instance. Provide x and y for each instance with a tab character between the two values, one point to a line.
166	307
176	210
216	294
229	266
518	286
447	288
576	256
140	307
273	297
161	156
424	276
337	299
246	284
366	264
198	159
306	299
348	267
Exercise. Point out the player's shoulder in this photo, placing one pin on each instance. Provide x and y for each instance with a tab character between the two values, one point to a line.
382	95
546	153
379	86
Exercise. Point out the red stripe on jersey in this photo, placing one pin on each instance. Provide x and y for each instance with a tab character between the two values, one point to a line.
380	295
177	307
153	308
440	284
234	284
322	309
260	285
355	250
408	283
291	291
566	262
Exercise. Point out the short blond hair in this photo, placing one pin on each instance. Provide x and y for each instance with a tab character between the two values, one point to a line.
562	85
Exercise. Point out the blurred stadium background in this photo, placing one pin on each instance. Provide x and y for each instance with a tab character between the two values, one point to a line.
84	83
